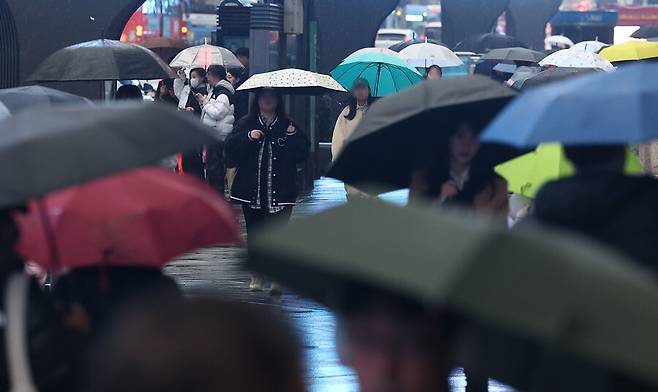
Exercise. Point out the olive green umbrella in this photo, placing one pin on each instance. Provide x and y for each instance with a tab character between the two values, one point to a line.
562	294
404	131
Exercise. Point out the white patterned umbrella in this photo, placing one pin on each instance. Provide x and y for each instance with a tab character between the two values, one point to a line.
570	58
590	46
559	41
425	55
293	81
205	56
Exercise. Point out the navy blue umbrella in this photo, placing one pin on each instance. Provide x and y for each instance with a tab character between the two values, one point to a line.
606	108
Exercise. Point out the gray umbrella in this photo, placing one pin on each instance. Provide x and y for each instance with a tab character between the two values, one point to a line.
514	54
102	59
49	149
405	130
560	311
552	75
21	98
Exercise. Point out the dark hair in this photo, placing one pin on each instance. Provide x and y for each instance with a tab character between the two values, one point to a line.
596	156
434	67
128	92
254	109
217	71
169	83
242	52
200	71
198	345
352	104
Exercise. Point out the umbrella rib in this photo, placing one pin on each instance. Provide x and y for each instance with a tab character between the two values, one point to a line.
354	65
379	73
395	82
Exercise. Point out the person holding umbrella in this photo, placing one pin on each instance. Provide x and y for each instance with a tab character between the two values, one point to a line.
462	176
267	147
348	120
434	73
218	113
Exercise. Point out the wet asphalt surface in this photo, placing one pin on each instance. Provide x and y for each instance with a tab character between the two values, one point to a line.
218	272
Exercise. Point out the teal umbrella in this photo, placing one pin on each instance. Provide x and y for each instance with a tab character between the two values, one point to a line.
386	72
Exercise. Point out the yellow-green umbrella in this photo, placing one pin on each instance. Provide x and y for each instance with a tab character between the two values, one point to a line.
526	174
631	51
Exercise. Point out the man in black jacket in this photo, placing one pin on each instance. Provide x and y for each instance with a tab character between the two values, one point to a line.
603	203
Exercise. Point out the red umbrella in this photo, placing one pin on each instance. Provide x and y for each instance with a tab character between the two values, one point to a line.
140	218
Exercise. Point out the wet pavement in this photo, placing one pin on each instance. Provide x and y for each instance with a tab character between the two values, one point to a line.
218	272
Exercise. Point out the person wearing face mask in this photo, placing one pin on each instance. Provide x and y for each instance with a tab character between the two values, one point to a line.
186	91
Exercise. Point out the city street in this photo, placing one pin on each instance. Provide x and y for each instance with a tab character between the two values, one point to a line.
217	272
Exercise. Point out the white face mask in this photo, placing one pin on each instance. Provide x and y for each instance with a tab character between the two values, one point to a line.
195	82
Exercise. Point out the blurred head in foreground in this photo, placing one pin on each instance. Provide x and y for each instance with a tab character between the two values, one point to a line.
198	345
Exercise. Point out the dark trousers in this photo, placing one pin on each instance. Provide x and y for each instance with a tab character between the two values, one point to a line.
215	167
255	219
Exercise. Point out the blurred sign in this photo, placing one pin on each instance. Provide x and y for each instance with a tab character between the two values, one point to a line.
600	18
637	16
293	17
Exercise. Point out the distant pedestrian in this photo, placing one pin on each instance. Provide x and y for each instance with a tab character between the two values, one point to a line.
601	202
243	56
347	122
461	176
218	113
434	73
236	76
198	345
267	147
129	92
165	92
186	91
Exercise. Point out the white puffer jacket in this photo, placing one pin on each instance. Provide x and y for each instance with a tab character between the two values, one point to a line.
218	109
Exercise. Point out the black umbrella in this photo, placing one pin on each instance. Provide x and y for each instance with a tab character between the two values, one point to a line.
49	149
486	42
514	54
552	75
646	32
403	132
401	45
102	60
17	99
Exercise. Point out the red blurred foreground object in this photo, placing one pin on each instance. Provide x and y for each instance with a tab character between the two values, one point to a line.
141	218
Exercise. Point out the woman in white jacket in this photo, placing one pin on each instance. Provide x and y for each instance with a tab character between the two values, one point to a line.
347	122
217	112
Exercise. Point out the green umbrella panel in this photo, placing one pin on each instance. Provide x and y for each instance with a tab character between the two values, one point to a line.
566	295
526	174
387	74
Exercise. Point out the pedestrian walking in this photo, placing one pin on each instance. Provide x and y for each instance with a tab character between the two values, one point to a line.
166	93
461	176
347	122
217	112
129	92
237	77
602	203
186	91
267	147
434	73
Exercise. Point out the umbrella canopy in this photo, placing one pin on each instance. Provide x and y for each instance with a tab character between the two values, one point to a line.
631	51
293	81
386	72
425	55
101	59
524	73
646	32
15	100
514	54
559	41
487	42
552	75
538	288
570	58
526	174
140	218
51	149
205	56
402	45
590	46
600	109
402	131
